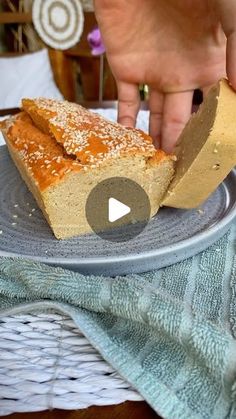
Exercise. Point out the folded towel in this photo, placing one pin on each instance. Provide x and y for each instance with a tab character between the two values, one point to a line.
170	333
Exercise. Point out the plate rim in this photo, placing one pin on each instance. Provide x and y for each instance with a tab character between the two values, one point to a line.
165	250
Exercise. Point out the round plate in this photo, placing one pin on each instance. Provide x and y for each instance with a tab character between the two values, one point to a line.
171	236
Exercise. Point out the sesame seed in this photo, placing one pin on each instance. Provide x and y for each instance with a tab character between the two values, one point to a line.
77	124
76	128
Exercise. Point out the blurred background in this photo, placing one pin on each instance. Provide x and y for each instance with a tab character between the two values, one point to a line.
80	72
77	72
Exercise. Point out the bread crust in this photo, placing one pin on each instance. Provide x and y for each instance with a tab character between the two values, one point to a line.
206	149
61	177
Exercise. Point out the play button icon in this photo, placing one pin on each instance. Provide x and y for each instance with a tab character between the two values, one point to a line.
118	209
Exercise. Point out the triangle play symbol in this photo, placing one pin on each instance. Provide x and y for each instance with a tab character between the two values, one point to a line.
116	210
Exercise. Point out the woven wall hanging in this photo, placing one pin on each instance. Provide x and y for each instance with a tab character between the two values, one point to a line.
59	23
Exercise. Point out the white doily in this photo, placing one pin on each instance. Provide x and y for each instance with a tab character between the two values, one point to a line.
59	23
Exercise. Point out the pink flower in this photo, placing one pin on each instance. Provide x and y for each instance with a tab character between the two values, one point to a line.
95	42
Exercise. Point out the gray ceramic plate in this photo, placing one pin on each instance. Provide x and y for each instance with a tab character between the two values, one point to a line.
171	236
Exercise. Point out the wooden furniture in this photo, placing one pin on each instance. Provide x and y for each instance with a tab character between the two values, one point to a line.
127	410
90	66
73	64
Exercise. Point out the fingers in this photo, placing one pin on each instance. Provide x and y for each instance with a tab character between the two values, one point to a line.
227	13
128	103
176	113
231	59
156	102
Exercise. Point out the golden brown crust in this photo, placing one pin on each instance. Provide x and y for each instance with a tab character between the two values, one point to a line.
84	134
43	157
55	138
62	166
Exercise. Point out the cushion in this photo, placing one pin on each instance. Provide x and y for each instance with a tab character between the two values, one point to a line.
29	75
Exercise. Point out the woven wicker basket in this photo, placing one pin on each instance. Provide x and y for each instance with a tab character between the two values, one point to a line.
46	363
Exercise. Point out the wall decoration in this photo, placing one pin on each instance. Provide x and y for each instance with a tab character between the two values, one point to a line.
59	23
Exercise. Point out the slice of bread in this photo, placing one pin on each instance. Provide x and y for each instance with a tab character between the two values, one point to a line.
63	151
206	150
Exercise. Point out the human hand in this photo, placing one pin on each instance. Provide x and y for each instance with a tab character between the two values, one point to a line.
173	46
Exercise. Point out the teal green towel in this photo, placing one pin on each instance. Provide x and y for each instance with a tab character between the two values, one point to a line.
171	332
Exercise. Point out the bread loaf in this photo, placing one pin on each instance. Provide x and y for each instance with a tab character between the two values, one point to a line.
63	151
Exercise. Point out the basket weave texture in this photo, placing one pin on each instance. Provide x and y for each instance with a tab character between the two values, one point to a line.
46	363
